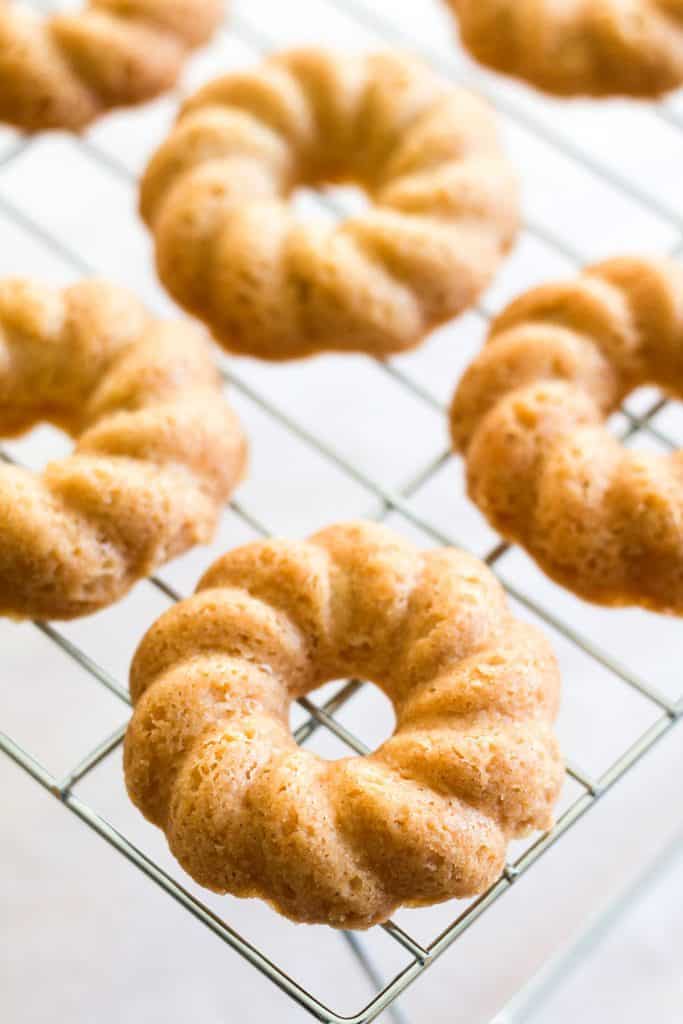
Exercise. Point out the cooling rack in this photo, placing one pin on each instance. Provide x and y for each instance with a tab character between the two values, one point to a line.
373	21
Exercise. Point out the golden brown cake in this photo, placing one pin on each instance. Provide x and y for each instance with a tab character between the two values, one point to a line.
579	47
473	761
63	70
529	415
158	449
230	249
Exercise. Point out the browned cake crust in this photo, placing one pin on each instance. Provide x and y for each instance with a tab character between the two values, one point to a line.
579	47
230	249
62	71
473	761
158	449
529	416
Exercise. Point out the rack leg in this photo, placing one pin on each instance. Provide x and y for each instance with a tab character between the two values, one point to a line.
393	1011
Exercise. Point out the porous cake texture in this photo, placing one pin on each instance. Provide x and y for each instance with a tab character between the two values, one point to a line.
230	248
157	448
529	416
473	761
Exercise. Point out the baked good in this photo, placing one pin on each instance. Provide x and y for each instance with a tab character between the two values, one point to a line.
580	47
209	756
157	453
529	415
63	70
442	204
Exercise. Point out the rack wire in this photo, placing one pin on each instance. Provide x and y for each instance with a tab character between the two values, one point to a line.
668	711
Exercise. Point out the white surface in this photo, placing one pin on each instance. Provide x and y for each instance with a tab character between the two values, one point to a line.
610	960
86	936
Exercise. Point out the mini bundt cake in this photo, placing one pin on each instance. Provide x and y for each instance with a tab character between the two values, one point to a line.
579	47
231	250
62	71
209	756
158	449
529	415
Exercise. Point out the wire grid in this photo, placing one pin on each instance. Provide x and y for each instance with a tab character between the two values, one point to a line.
669	712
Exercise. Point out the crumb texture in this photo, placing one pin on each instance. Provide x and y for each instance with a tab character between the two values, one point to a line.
442	204
473	761
63	70
157	448
579	47
529	415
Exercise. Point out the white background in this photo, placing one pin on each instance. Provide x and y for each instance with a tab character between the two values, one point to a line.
85	935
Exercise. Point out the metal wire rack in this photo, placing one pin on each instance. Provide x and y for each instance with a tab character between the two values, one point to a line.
669	711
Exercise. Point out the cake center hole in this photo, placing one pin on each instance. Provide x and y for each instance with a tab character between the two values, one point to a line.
367	716
38	447
48	7
328	204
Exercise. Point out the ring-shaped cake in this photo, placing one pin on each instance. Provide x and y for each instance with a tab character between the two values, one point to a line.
232	249
473	760
579	47
529	416
157	448
63	70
